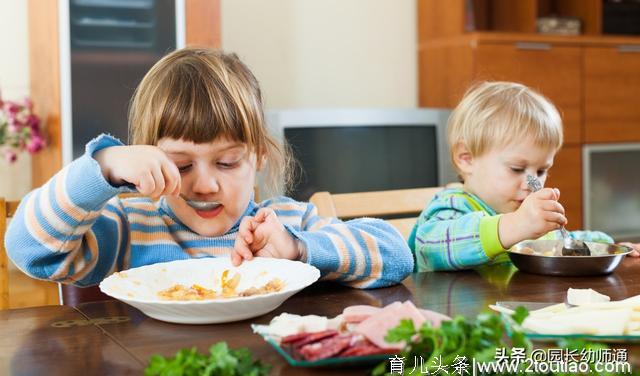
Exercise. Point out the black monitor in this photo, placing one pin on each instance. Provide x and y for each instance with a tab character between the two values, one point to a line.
360	150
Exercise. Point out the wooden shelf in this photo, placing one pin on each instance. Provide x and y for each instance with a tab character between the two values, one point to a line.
591	77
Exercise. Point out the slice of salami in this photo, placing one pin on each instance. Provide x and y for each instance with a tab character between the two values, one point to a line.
326	348
309	337
293	338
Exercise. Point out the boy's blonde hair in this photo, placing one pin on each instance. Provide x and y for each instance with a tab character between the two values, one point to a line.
495	114
198	95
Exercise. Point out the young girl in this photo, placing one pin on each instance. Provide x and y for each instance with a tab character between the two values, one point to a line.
498	134
199	137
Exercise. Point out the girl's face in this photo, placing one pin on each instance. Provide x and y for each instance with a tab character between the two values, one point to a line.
498	176
221	172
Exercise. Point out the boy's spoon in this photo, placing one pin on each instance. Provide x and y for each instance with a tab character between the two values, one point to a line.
571	246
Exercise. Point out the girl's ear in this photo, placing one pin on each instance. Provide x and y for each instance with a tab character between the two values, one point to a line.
462	158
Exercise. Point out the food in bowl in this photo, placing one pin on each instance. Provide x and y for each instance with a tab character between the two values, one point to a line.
139	287
228	289
545	257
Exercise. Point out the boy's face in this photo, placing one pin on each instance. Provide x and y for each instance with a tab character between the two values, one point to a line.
498	176
222	172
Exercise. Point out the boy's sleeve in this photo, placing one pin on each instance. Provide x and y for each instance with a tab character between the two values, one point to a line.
450	235
361	253
73	229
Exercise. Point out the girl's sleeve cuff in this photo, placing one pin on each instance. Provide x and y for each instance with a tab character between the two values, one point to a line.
489	236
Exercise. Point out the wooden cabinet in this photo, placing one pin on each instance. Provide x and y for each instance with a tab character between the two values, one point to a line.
612	93
591	78
551	69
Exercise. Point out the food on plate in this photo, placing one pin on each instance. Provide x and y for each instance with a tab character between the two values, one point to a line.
553	251
593	314
579	297
227	289
359	330
526	251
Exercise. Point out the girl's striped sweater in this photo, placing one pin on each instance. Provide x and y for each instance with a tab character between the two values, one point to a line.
76	229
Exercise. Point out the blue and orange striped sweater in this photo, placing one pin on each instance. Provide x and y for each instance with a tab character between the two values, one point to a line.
76	229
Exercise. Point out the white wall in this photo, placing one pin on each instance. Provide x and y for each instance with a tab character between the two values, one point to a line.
15	179
326	53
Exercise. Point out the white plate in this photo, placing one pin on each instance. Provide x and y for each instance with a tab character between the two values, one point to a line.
139	287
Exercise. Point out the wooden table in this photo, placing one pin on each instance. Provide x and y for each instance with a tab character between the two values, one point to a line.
113	338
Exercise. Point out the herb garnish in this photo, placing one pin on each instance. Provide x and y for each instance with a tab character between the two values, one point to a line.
221	361
474	339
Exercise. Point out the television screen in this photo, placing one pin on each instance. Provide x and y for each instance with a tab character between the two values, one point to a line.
612	191
342	159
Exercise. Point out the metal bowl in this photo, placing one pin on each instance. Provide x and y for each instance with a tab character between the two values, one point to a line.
545	257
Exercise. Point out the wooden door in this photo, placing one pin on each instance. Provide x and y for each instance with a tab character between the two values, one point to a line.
612	94
552	70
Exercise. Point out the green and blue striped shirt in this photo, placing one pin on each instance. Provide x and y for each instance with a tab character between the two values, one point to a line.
457	230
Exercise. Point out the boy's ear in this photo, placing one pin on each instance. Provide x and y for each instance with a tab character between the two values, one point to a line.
463	158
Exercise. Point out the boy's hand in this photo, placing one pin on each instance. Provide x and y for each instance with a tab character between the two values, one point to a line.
264	236
147	167
539	213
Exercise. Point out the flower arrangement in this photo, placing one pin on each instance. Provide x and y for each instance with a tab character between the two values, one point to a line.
19	129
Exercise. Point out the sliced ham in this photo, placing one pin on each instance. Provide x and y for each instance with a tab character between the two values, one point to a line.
376	326
358	313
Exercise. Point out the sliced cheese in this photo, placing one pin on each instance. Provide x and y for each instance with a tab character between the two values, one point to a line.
585	296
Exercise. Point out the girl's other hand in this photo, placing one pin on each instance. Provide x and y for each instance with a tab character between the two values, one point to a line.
146	167
263	235
539	213
635	247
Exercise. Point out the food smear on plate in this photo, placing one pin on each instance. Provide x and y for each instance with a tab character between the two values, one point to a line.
358	331
588	313
228	289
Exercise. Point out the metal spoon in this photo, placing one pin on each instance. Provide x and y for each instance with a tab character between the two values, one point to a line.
570	246
201	205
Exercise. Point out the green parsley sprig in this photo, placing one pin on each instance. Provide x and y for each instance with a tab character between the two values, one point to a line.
474	339
220	361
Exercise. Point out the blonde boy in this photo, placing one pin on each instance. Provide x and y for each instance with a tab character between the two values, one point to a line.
498	134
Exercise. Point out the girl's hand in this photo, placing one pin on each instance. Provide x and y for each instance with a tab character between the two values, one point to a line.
146	167
635	247
539	213
264	236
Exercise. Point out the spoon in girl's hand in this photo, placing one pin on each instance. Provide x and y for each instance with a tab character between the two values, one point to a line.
200	205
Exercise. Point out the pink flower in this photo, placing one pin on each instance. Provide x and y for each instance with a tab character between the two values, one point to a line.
19	129
10	156
12	108
14	128
35	145
33	122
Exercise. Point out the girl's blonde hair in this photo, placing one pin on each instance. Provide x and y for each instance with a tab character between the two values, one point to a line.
495	114
198	95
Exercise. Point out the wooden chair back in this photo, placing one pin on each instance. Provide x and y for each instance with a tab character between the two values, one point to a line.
7	210
401	206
